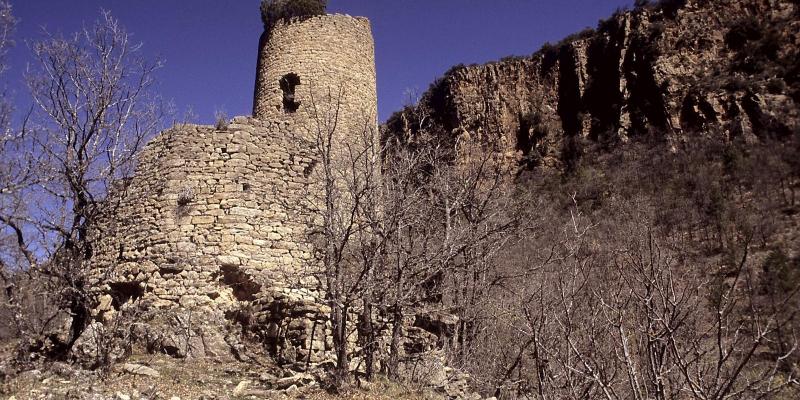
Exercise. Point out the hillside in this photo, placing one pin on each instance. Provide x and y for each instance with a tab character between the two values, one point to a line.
656	162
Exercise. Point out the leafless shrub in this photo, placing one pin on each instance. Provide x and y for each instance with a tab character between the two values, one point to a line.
185	196
221	120
104	344
613	311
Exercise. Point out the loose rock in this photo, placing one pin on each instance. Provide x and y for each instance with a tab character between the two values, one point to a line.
137	369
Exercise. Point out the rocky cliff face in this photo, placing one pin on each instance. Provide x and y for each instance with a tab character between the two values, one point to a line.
727	68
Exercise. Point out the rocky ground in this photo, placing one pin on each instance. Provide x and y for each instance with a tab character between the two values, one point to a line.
165	378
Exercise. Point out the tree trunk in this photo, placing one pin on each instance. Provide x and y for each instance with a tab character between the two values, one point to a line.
367	336
340	341
394	347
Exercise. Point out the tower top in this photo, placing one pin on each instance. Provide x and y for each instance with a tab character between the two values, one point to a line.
315	64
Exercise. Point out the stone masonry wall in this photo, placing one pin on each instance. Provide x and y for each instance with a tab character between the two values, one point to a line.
334	58
330	62
212	218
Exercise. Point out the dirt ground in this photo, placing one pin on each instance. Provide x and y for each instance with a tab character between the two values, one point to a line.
165	378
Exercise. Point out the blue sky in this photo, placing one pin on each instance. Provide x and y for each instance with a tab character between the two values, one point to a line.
210	45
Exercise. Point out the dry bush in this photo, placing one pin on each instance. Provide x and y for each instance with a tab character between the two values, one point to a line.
221	121
612	310
656	256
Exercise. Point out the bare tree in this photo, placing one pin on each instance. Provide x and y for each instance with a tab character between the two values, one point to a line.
94	110
344	199
15	176
450	211
11	180
617	312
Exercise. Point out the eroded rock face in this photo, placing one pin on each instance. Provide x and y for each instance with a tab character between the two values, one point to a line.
667	72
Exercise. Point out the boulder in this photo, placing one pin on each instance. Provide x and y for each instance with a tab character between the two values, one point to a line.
298	380
141	370
86	350
241	388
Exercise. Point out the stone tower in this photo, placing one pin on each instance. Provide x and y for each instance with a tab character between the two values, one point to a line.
309	66
208	230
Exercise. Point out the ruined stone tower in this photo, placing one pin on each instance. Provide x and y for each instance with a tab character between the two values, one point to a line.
211	228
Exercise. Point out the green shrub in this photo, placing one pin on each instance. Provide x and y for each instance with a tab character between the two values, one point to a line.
657	29
276	10
453	70
586	33
549	53
737	83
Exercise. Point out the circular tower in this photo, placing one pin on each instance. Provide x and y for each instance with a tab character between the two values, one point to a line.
315	69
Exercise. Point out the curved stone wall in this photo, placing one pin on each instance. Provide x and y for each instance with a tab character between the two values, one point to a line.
211	216
333	58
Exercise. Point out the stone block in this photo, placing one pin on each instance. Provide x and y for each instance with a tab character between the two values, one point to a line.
203	220
229	261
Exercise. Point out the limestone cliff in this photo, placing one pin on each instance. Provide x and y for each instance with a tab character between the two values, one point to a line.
724	67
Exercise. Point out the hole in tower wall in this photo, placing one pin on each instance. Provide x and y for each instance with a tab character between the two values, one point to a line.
309	169
288	83
244	288
124	292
